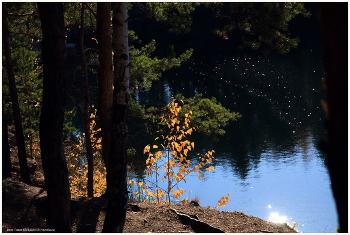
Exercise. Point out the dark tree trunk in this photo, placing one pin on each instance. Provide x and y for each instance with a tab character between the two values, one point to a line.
116	171
88	146
22	155
52	117
6	160
334	24
105	79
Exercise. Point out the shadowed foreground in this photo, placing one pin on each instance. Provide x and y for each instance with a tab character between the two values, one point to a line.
23	209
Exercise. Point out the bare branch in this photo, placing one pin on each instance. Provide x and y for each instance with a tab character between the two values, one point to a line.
90	9
33	13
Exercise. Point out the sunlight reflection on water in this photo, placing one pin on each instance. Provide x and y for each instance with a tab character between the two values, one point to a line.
277	218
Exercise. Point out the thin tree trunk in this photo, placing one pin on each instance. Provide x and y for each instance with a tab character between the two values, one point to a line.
52	117
90	186
31	127
22	155
6	160
105	76
116	171
334	24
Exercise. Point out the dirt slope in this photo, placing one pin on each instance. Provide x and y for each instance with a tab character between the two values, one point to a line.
23	210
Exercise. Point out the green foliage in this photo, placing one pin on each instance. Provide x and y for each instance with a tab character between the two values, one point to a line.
131	151
72	13
29	91
25	31
68	127
208	116
144	123
24	23
29	88
265	24
175	14
138	110
146	69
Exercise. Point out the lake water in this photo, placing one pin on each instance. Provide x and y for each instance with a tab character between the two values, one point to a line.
268	159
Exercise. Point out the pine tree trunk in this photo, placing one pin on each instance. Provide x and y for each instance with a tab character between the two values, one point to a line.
334	24
105	76
22	155
6	160
116	171
52	117
88	146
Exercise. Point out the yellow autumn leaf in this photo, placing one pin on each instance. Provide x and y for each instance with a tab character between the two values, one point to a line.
146	149
210	168
178	175
174	145
174	121
184	201
185	151
158	154
189	131
155	146
179	148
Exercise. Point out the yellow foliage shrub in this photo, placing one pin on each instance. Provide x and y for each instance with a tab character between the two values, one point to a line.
173	158
78	172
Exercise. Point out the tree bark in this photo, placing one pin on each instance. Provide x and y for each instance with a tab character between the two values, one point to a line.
88	146
6	159
22	155
105	79
334	25
52	117
116	171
